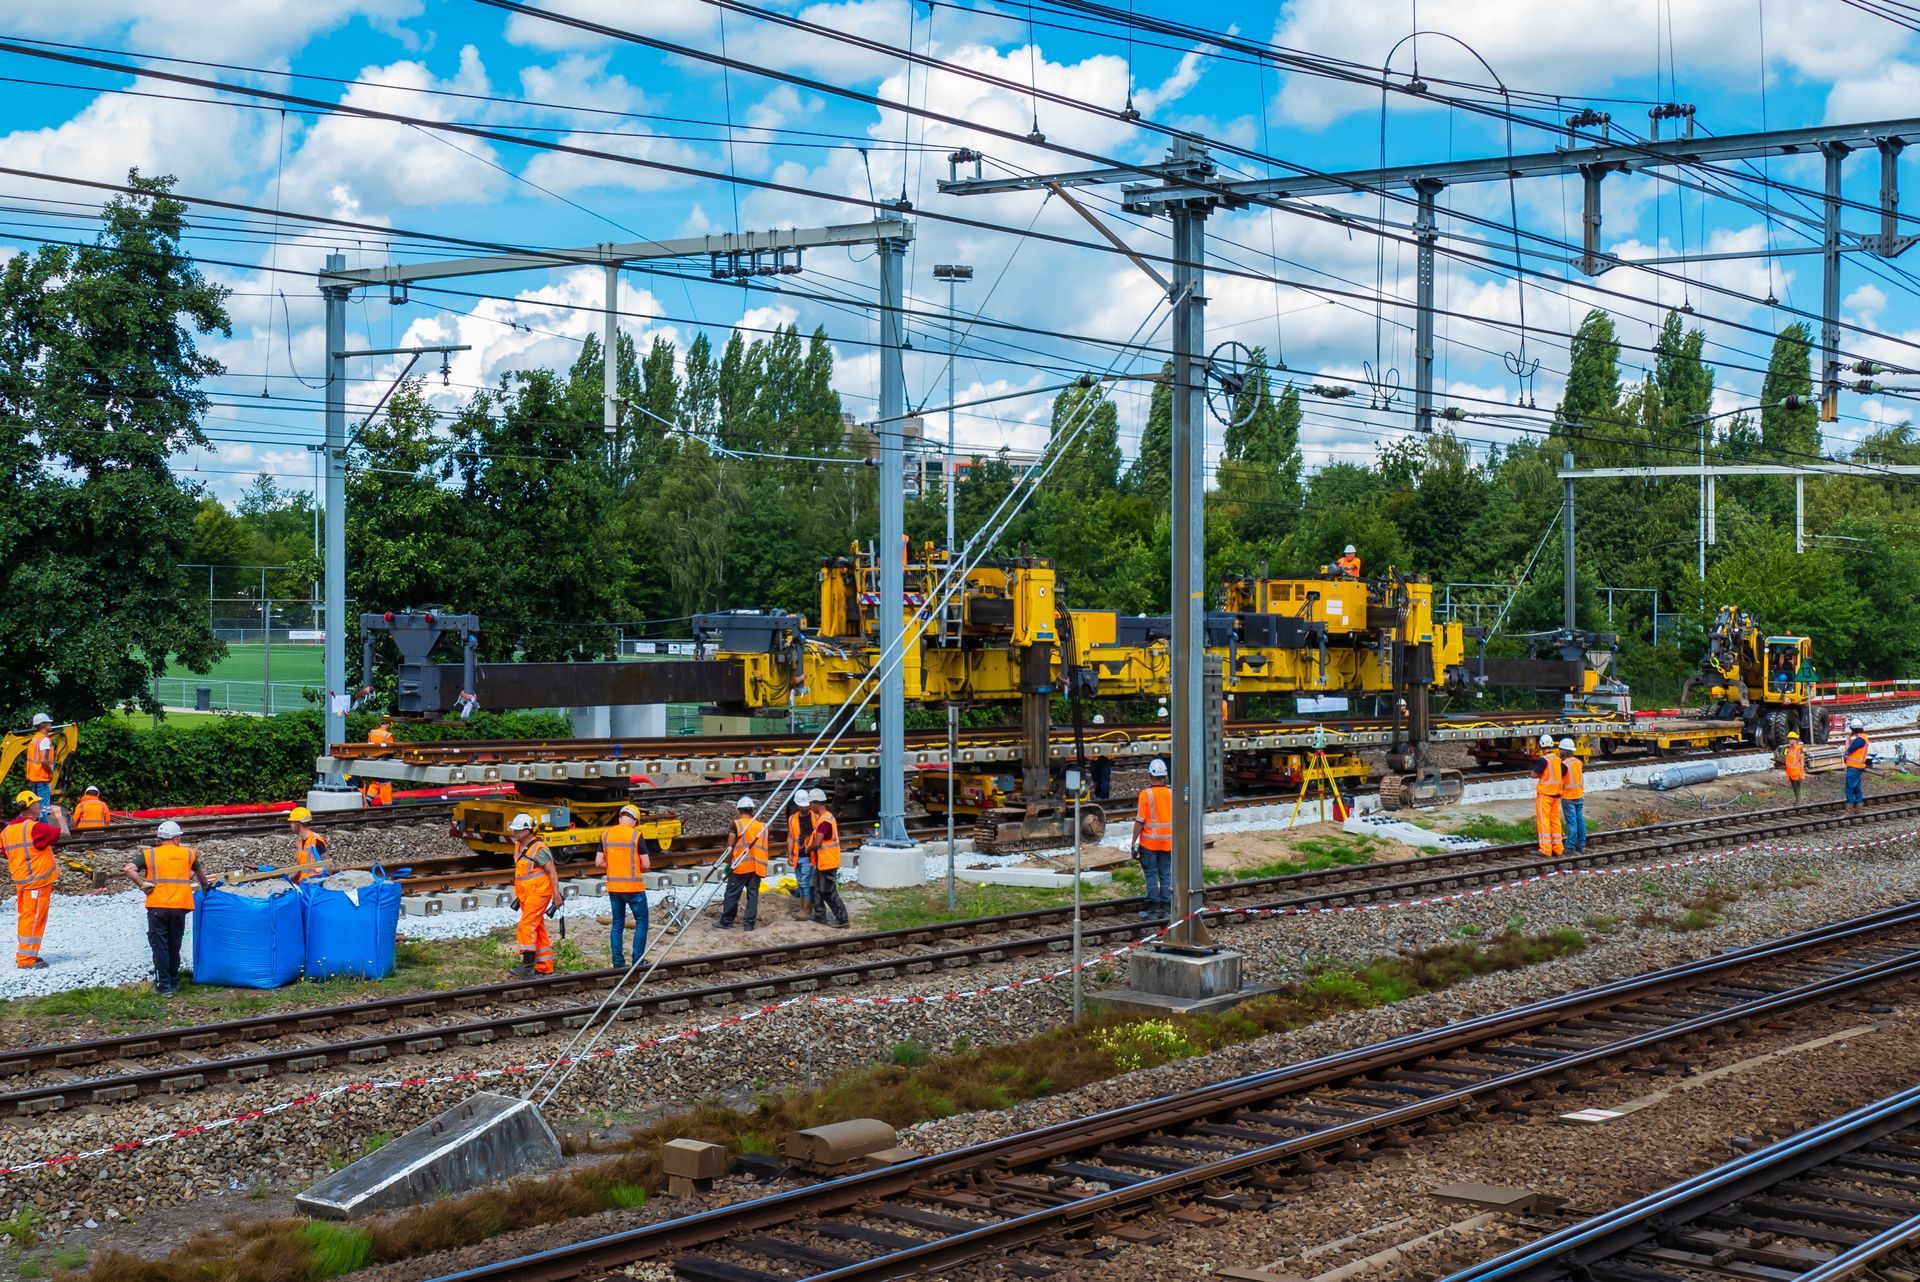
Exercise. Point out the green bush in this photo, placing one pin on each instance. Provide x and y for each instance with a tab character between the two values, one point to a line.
235	760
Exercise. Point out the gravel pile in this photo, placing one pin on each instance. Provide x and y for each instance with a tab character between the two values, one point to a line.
1777	895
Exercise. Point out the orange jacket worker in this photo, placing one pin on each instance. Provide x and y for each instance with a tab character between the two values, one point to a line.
1153	839
90	813
28	841
1549	778
167	872
536	892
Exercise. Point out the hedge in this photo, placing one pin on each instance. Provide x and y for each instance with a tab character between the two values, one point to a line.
237	760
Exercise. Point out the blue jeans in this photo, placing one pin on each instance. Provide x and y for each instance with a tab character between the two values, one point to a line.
1856	787
1158	866
637	901
45	792
1573	819
803	878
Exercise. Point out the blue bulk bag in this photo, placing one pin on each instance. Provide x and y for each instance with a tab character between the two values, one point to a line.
351	933
245	941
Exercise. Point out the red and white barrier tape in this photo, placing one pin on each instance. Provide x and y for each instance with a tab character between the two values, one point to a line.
810	999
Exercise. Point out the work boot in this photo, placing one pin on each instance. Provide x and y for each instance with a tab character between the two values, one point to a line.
843	923
801	910
525	969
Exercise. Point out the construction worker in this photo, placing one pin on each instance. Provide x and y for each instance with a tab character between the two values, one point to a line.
1573	796
1101	768
379	792
1153	840
1793	760
799	831
309	847
90	812
536	893
823	844
1857	760
623	854
40	760
1549	779
167	872
746	864
29	845
1349	562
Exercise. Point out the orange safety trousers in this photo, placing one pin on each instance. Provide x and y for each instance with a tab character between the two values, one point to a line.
1547	822
532	933
31	903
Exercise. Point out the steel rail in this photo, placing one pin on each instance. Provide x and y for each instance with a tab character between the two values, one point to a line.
1137	1122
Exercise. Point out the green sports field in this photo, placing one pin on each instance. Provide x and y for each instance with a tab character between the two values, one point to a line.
236	683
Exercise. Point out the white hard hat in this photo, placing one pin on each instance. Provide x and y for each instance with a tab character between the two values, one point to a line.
1856	724
42	719
1157	768
1546	741
1349	550
1566	745
818	795
801	796
522	822
1099	719
93	788
745	803
169	830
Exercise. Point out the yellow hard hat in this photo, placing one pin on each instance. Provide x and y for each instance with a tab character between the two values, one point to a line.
25	797
299	815
630	811
1793	734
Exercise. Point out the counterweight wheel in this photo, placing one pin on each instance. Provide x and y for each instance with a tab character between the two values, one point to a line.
1775	727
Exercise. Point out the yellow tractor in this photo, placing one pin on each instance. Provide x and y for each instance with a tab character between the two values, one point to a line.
571	827
1764	682
14	746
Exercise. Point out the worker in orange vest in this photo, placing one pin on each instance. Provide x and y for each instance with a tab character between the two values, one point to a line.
1153	840
1549	779
536	893
746	858
1858	758
1349	562
823	847
28	842
379	792
309	849
623	854
1793	760
41	761
1573	796
167	872
90	812
799	830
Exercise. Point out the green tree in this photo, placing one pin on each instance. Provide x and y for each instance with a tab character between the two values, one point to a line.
1785	433
100	381
1151	475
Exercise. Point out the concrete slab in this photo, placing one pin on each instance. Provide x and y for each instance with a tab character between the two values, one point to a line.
1180	981
421	905
1408	834
483	1140
892	867
656	880
1027	875
455	902
334	800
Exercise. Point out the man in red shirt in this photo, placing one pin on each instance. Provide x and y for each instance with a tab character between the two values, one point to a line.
28	842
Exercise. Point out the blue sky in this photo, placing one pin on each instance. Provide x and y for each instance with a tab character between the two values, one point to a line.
460	60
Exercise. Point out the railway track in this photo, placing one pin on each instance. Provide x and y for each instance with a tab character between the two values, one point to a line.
1244	1143
1838	1201
64	1075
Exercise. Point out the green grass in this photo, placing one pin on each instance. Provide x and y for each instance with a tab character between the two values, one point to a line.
905	909
144	720
1501	832
292	664
69	1257
23	1228
337	1249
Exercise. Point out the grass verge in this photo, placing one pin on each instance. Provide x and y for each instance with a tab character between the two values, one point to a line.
915	1086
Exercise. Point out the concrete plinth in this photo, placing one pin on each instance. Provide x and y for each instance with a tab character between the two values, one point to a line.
486	1139
1045	878
334	799
891	867
1180	981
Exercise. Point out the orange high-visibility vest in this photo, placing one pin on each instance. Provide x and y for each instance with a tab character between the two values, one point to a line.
1573	785
170	869
91	812
28	867
626	852
824	844
311	854
1349	565
1550	781
1795	761
40	759
380	735
1857	757
749	838
1153	820
797	836
530	884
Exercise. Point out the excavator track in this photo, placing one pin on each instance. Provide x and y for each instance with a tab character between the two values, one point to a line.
1010	830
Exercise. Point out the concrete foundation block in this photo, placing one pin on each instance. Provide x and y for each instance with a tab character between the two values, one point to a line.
593	887
891	867
334	799
683	877
779	868
484	1140
456	902
1031	876
421	905
655	880
1185	981
496	898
